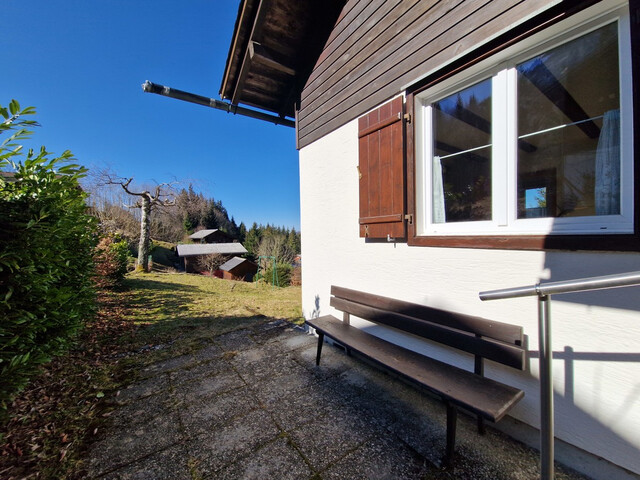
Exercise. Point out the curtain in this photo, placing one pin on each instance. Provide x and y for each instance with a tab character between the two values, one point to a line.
607	188
437	192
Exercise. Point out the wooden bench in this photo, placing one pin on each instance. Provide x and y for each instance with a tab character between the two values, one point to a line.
458	388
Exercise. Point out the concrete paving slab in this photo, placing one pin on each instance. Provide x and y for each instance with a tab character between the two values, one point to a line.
201	418
223	446
128	444
143	411
144	388
260	364
195	372
169	464
236	340
379	458
208	353
208	386
297	409
295	341
279	387
276	460
333	436
331	363
167	365
253	404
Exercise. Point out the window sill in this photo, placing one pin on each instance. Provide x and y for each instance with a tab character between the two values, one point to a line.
621	243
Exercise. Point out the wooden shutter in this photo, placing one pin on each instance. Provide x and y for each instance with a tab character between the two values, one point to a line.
382	172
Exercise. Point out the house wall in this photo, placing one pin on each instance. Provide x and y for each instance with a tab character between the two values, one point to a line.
379	46
595	335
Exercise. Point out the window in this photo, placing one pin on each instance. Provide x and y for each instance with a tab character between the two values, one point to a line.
537	140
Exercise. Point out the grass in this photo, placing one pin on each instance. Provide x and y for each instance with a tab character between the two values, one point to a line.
179	306
156	315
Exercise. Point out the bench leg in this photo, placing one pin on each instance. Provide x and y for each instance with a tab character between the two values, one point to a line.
320	342
452	417
481	429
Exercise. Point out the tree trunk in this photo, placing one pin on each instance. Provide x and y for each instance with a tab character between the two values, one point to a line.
143	246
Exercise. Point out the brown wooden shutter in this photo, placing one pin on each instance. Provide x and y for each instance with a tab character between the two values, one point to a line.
382	172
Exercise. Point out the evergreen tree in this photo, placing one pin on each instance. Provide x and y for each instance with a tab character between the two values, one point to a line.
242	232
252	240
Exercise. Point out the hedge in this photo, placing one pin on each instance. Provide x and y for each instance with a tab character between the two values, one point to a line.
46	245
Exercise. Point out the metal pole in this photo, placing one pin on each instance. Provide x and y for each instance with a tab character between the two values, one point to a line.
213	103
546	388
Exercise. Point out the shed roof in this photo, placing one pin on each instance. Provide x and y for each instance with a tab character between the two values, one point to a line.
274	47
233	263
202	234
190	250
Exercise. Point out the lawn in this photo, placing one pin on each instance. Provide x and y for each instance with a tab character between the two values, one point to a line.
154	316
158	298
181	308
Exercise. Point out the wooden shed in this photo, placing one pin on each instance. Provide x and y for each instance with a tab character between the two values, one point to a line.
211	236
192	253
238	268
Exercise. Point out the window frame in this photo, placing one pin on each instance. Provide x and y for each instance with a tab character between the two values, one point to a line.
516	47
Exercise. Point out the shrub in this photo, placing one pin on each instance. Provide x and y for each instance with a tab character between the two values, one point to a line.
46	246
283	276
111	261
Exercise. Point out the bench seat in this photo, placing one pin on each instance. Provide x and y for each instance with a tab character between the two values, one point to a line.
482	396
458	388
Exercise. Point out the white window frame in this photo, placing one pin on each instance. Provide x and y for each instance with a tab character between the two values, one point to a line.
501	68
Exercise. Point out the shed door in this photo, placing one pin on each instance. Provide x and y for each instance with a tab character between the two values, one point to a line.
382	172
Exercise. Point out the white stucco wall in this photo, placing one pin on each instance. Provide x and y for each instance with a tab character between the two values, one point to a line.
596	336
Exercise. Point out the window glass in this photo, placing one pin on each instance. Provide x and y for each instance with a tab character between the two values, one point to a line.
569	129
461	168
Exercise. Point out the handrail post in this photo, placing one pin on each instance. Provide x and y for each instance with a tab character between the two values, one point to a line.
546	388
544	291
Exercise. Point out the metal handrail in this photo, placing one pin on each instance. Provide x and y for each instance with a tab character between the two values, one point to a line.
567	286
544	291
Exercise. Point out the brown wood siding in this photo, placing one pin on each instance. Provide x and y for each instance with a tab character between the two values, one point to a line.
379	47
381	166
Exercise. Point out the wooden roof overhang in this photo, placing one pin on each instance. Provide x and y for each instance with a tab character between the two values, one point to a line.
274	47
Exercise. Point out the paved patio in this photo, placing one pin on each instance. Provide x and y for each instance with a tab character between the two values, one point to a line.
253	405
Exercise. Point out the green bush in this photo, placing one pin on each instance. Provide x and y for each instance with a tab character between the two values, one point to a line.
111	261
46	246
283	277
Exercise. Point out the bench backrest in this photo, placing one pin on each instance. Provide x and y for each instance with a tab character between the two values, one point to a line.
496	341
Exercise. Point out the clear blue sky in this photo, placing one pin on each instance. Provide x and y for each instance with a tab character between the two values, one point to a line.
81	63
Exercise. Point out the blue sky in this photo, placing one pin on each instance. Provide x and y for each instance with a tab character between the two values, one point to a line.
81	63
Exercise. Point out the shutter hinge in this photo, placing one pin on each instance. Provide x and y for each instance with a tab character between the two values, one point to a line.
359	172
409	218
407	117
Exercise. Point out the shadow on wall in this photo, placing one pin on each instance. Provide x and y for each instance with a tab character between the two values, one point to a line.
316	309
570	265
573	265
606	433
569	357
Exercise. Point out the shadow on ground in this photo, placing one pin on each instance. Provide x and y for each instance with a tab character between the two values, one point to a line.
251	404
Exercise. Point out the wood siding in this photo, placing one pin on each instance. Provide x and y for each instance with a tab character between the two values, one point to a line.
379	46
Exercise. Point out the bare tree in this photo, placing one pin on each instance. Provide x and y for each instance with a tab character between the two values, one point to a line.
211	262
162	196
275	245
